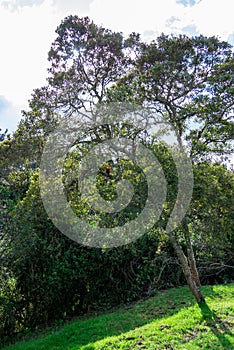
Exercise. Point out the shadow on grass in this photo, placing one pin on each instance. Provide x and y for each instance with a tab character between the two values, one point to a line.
216	325
86	332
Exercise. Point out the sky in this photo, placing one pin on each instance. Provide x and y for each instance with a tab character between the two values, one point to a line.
27	30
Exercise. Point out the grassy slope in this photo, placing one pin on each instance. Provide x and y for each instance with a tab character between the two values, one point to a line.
170	320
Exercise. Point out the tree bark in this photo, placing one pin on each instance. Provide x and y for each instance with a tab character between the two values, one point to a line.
191	258
189	267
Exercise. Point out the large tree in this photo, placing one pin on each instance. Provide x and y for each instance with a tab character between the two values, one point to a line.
189	81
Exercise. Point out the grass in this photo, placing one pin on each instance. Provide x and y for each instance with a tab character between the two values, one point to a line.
169	320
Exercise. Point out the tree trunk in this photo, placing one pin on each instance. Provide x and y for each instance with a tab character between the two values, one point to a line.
189	268
191	258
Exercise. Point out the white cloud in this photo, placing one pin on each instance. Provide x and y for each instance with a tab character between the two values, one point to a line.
25	38
26	34
213	17
27	29
134	15
13	5
60	6
78	7
207	17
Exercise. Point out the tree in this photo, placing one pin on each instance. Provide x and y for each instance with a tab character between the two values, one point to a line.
187	80
211	221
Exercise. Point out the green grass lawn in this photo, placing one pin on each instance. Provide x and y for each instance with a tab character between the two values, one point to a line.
169	320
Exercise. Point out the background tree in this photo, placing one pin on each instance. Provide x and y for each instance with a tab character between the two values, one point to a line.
211	221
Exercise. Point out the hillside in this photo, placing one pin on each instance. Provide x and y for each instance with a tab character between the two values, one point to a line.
169	320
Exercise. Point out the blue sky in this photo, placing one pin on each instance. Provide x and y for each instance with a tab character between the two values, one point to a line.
27	29
187	2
